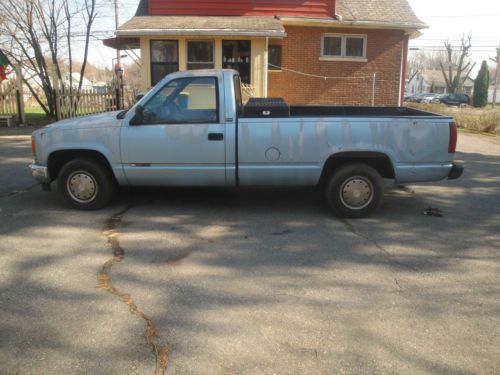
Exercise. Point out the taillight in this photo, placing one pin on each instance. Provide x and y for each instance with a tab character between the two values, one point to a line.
452	147
33	146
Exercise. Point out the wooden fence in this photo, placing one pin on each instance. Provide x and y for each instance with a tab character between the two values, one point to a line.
8	98
85	102
247	92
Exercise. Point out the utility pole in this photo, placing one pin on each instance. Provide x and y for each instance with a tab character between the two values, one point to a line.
497	73
117	23
120	101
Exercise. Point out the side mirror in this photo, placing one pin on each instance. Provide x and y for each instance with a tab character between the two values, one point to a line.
138	118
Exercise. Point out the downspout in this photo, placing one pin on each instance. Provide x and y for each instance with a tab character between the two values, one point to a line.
333	10
404	65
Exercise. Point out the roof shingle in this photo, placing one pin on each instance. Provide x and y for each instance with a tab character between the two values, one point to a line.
202	25
390	12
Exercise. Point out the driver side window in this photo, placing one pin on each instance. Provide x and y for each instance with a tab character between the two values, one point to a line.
184	100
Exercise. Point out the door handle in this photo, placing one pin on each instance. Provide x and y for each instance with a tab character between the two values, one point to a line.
215	136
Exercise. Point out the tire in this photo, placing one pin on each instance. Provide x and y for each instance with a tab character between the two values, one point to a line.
85	184
355	191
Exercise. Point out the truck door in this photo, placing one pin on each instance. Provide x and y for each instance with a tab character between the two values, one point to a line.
177	137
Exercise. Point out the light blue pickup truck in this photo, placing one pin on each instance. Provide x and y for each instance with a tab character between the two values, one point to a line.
193	129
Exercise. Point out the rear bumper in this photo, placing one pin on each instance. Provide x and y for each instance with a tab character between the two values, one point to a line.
40	173
456	171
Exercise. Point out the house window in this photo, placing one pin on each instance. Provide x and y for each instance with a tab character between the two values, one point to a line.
164	59
236	54
338	46
274	57
200	54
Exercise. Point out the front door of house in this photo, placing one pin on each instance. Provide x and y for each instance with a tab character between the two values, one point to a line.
236	54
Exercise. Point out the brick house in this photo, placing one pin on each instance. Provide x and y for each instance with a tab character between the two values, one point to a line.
344	52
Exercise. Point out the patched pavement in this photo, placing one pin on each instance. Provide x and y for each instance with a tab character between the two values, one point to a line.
220	281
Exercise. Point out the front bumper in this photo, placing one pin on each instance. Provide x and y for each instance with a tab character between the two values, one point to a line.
456	171
40	173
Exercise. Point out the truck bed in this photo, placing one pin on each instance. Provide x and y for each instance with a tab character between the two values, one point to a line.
332	111
344	111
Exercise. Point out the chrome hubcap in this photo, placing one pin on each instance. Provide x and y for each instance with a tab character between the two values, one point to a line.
356	193
82	186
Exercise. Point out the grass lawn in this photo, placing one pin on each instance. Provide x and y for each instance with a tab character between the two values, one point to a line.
35	118
485	120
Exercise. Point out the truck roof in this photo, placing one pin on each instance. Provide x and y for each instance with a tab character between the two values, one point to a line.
200	73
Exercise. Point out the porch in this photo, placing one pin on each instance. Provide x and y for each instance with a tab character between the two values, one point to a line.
172	43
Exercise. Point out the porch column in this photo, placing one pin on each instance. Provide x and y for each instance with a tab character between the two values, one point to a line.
265	68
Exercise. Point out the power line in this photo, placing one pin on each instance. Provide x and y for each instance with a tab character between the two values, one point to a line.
462	16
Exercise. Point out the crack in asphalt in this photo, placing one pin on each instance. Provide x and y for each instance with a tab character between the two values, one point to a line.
152	335
396	281
354	231
10	194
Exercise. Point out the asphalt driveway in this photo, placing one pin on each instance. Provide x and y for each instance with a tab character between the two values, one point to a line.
216	281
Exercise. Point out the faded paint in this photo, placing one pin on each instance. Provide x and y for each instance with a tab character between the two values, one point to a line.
183	155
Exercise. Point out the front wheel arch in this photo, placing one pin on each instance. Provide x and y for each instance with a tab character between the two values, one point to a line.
57	159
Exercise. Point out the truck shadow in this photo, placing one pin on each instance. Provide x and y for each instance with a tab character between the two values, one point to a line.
268	279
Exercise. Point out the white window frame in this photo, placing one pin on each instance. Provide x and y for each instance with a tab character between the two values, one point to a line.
204	62
343	48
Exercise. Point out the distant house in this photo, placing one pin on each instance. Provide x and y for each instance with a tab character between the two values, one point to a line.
422	83
417	85
74	80
321	51
491	90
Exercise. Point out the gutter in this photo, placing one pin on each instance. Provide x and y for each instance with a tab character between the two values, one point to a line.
201	32
339	21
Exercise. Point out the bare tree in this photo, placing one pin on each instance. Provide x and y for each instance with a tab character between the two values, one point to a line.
457	66
496	60
38	35
416	66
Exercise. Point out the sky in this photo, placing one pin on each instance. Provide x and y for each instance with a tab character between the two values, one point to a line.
447	20
450	19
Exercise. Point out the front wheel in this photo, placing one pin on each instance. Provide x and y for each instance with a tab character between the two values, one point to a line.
85	184
355	191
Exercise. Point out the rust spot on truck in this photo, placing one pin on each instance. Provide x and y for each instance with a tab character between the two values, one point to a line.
151	335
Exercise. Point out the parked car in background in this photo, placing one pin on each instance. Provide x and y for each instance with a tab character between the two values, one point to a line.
452	99
412	98
420	98
428	98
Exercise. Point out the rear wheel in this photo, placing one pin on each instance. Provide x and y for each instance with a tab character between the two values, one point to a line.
85	184
355	191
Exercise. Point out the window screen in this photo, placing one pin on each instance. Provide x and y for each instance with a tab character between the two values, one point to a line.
164	59
354	47
200	55
275	57
332	46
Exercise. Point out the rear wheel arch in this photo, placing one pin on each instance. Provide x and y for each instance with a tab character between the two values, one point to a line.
379	161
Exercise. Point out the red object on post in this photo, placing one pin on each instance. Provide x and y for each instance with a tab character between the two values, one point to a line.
3	75
120	70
